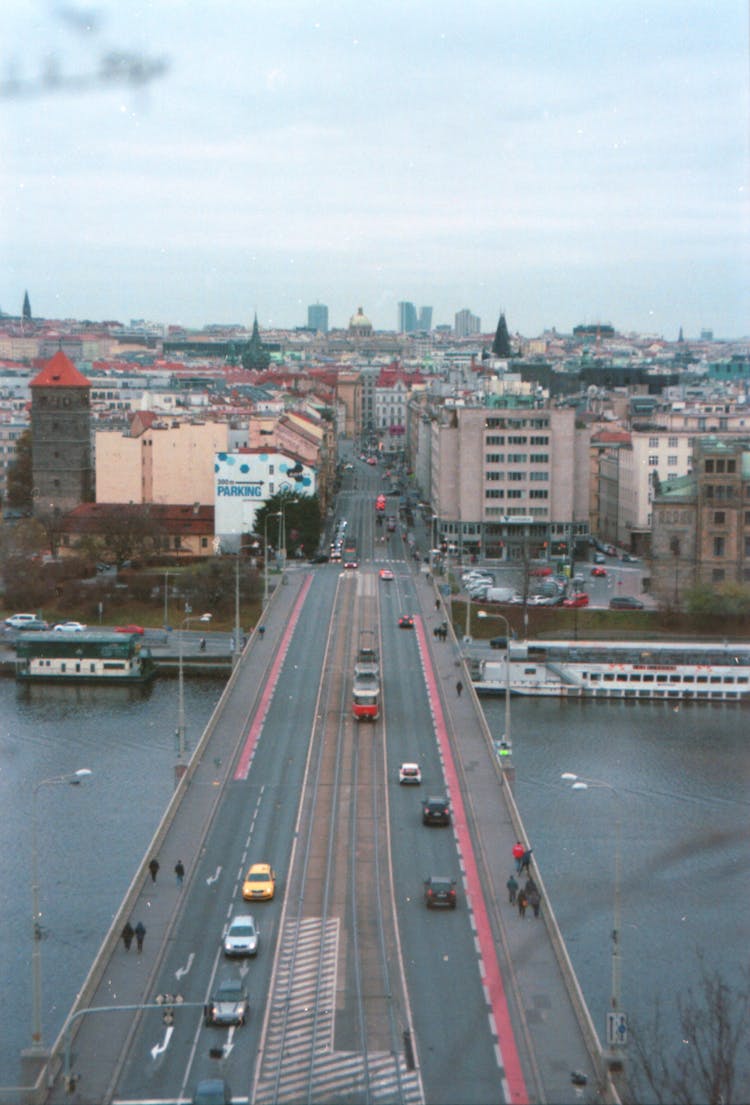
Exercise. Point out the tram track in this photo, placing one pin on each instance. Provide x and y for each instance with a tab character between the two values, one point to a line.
331	1028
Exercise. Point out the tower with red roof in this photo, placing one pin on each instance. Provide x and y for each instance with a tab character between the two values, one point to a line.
62	461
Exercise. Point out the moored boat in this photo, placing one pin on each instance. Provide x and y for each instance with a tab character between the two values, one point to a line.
90	657
694	670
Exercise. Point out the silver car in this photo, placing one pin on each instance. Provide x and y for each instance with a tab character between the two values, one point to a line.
242	936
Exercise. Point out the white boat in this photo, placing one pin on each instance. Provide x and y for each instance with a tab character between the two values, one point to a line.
676	670
93	657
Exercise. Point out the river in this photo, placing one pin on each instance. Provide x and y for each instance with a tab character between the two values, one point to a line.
681	786
680	776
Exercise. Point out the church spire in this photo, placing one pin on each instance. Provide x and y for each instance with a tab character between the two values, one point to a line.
26	307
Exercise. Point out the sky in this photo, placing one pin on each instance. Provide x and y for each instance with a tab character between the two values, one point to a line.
561	162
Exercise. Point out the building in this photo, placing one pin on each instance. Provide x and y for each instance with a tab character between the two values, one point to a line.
425	319
509	481
62	461
245	480
317	318
407	318
701	522
465	323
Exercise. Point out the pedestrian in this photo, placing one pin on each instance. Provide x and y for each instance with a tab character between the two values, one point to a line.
529	885
535	901
203	644
437	604
154	868
140	932
518	851
512	889
522	903
179	871
128	933
459	688
526	860
261	631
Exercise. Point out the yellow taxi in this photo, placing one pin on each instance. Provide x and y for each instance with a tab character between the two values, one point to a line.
260	883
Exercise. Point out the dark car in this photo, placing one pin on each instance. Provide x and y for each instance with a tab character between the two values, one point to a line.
440	891
625	602
406	621
212	1091
229	1005
319	558
498	642
436	811
37	624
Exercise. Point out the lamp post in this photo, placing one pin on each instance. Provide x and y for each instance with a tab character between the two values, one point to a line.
616	1023
189	617
284	504
274	514
74	778
506	745
237	648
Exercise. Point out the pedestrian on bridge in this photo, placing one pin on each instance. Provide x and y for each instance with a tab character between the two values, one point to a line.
526	861
154	868
512	890
128	933
535	901
518	852
179	870
522	903
459	688
140	932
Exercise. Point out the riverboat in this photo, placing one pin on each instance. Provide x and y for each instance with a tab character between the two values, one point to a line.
698	671
87	657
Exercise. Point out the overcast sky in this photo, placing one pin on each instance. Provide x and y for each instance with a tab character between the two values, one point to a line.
564	161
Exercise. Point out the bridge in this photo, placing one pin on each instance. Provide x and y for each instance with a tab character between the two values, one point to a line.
358	992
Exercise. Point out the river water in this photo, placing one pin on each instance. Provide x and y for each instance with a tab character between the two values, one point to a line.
91	837
681	787
680	776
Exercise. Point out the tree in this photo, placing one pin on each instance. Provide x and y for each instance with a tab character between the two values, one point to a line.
713	1063
254	355
501	344
20	477
301	521
129	531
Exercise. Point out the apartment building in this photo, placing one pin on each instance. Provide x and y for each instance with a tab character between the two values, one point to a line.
510	480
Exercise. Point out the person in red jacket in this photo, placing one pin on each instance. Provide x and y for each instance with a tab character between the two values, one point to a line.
518	854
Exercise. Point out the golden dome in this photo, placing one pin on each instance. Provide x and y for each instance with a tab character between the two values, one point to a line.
360	322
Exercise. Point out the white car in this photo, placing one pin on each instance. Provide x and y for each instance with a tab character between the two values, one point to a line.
410	774
241	937
70	627
18	621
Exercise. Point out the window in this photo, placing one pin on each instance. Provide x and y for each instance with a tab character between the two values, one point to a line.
544	476
672	461
517	440
494	493
719	517
515	494
672	443
653	443
539	458
539	440
516	458
493	439
538	494
494	458
708	466
517	476
495	476
653	460
731	466
747	546
719	546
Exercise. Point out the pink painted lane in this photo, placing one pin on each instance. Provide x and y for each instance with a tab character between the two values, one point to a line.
510	1063
259	717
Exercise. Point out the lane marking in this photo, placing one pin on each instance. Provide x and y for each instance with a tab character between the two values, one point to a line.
184	970
253	736
159	1049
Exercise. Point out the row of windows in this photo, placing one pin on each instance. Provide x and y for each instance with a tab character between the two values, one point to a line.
516	424
516	458
649	677
512	493
729	465
672	461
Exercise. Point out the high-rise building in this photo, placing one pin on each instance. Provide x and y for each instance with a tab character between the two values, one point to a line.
465	323
425	319
317	317
407	318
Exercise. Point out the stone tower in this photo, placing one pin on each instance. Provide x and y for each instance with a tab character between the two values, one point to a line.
62	463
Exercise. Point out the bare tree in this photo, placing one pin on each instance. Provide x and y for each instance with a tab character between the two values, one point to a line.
712	1066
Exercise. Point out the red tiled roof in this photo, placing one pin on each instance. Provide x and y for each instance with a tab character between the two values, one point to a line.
60	372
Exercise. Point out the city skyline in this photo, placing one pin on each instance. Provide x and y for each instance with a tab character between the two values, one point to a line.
564	165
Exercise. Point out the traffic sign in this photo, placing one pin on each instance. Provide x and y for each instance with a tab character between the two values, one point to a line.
617	1029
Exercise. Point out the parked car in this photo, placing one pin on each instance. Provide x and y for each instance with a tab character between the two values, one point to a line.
137	629
579	599
17	621
600	558
625	602
628	558
242	936
541	570
37	624
439	890
498	642
229	1005
436	811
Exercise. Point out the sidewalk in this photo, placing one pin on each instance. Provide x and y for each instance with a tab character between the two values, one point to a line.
550	1040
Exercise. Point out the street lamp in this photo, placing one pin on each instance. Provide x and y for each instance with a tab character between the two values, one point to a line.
274	514
237	648
74	778
189	617
615	1020
506	743
282	544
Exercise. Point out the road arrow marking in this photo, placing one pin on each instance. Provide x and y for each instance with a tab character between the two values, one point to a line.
213	878
159	1049
230	1041
184	970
